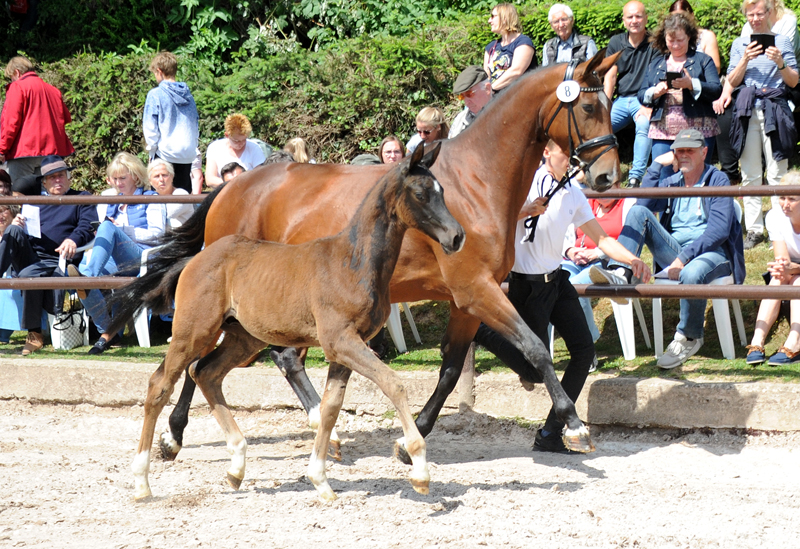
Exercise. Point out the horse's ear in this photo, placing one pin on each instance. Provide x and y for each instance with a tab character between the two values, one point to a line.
432	154
415	159
600	64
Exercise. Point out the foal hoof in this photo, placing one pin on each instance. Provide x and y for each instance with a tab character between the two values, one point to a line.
579	440
169	447
402	455
421	486
335	450
235	482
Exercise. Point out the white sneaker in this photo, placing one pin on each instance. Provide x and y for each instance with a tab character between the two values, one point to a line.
602	276
679	351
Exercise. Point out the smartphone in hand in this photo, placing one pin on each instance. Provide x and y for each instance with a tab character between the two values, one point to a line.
671	77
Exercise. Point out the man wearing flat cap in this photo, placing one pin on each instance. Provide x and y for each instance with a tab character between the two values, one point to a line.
63	228
473	88
696	241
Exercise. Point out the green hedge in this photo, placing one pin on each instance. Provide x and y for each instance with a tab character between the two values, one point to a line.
343	100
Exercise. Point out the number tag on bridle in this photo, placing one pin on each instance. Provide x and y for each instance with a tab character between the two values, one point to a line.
568	91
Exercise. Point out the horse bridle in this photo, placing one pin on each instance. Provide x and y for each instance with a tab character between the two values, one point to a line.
576	163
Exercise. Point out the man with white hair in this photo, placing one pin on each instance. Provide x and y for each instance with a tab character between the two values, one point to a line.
567	44
473	88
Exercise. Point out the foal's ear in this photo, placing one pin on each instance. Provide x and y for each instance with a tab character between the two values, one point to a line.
432	154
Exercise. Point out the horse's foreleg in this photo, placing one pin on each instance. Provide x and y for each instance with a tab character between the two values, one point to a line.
237	350
171	440
362	360
332	399
160	388
291	362
504	319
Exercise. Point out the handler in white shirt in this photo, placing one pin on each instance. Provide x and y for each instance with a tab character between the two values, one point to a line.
540	290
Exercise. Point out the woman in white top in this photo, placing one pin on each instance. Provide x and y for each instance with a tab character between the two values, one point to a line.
784	231
783	21
234	147
161	175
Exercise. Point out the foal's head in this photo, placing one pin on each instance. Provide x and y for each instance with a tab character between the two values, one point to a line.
420	200
592	120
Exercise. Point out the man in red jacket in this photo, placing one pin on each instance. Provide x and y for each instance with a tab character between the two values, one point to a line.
32	122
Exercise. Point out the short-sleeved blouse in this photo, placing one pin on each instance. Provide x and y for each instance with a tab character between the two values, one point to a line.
780	228
500	57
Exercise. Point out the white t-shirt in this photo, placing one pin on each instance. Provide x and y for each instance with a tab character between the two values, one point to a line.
780	228
177	214
567	206
251	157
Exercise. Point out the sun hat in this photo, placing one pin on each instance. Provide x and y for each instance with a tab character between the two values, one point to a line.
53	164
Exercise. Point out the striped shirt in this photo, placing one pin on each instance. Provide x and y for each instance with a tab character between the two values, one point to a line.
761	72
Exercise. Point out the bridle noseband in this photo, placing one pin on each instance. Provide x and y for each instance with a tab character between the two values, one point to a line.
576	163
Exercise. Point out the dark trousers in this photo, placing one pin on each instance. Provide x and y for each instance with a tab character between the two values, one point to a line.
728	159
183	176
541	304
16	251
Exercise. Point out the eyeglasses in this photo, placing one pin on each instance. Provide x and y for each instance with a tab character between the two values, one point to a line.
424	132
392	152
466	95
493	15
756	15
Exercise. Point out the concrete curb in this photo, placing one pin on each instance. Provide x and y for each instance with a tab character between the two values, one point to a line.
605	400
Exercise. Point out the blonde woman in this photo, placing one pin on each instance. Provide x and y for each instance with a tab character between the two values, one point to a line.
298	148
783	224
506	59
236	146
120	240
431	125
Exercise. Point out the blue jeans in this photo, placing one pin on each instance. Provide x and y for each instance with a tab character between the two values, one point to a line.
642	227
112	247
623	112
579	274
661	146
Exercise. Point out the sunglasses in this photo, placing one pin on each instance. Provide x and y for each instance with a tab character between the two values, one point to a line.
466	95
424	132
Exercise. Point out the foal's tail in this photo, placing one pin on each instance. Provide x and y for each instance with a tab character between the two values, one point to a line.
155	289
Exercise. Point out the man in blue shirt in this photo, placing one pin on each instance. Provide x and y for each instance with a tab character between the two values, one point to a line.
697	240
64	229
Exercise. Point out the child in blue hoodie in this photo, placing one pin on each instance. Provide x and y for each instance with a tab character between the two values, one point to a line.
170	120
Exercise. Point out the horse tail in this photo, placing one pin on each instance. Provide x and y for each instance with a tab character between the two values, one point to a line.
155	289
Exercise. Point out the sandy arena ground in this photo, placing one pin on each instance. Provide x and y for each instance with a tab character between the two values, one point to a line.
66	482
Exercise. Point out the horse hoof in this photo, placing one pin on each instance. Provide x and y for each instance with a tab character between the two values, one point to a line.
327	496
401	454
335	450
169	447
235	482
142	494
579	440
421	486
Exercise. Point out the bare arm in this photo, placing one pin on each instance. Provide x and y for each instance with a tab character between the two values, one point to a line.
610	81
711	48
212	179
615	250
519	64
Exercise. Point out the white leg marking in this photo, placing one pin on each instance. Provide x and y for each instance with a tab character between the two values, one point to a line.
313	417
316	474
238	455
140	467
168	441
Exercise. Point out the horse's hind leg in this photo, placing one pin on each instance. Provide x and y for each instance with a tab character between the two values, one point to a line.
238	349
332	399
291	362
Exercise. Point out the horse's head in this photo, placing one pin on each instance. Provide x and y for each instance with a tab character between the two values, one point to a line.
582	127
421	202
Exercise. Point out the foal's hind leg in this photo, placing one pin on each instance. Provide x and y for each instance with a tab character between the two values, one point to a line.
332	399
171	440
238	349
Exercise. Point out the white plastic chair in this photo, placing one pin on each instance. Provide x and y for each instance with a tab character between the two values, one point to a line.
721	316
396	328
623	317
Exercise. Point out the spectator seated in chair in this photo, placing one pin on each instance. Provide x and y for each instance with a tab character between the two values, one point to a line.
696	241
64	229
121	238
783	226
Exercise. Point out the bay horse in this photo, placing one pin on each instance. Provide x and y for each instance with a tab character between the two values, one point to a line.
331	292
487	169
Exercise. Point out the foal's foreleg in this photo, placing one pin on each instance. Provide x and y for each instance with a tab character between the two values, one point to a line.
237	350
332	399
291	362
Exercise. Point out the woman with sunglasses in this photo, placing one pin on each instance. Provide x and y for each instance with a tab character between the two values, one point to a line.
431	125
506	59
